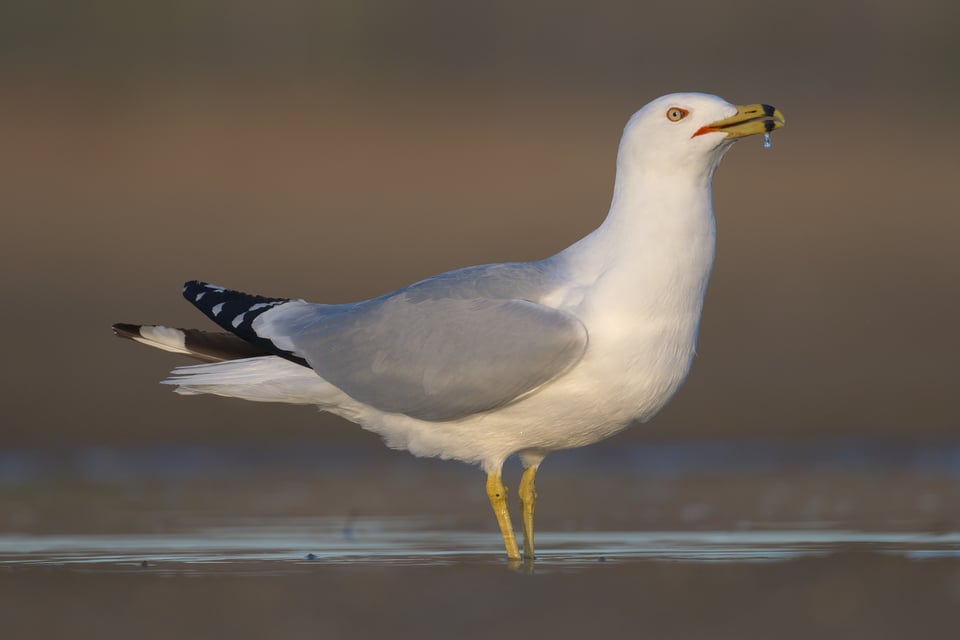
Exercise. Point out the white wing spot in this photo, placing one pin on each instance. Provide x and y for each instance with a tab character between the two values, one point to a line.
200	295
217	309
239	319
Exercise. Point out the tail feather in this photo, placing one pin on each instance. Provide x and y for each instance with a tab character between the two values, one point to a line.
263	379
208	346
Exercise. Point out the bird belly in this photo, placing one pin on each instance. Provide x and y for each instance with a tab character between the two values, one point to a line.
624	378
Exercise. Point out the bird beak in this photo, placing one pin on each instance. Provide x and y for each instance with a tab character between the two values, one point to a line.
749	120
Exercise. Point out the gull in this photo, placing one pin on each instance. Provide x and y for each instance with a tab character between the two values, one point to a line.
485	362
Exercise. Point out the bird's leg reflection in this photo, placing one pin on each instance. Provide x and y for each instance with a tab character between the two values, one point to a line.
528	498
498	500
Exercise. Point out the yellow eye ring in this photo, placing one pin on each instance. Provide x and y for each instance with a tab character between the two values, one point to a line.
676	114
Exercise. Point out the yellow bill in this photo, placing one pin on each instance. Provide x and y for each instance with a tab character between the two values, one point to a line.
749	120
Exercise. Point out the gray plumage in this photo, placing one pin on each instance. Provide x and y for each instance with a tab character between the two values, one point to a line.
457	344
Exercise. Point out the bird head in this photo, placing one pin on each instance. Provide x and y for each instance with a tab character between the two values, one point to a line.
683	133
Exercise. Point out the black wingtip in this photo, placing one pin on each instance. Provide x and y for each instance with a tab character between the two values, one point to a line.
124	330
190	284
192	287
235	312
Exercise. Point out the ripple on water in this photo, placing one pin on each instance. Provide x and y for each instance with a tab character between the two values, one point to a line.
284	549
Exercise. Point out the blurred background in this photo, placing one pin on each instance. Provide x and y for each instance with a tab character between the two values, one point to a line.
337	150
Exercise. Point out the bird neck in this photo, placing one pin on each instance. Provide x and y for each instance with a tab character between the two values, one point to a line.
658	223
639	279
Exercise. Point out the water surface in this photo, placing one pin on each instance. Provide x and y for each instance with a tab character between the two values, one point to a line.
675	540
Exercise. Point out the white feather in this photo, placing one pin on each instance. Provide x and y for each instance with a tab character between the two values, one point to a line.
166	338
263	379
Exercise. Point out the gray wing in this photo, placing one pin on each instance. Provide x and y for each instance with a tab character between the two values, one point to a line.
438	350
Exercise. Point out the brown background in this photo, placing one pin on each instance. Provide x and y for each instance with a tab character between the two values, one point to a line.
335	151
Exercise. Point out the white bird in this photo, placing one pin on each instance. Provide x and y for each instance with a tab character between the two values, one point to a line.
522	358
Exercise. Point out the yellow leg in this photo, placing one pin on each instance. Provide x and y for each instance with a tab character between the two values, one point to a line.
498	500
528	498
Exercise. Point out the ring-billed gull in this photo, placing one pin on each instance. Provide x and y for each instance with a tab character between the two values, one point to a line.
522	358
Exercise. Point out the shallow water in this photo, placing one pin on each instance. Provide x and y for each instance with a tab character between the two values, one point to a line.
403	579
293	546
681	540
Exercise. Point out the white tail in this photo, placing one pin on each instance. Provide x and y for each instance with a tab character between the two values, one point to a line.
263	379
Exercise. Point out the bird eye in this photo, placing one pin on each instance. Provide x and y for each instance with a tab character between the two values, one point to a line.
675	114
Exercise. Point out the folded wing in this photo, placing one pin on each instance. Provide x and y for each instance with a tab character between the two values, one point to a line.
458	344
430	352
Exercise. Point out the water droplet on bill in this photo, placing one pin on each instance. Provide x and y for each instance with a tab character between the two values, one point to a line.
766	140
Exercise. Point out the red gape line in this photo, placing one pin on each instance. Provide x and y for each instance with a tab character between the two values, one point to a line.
703	130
